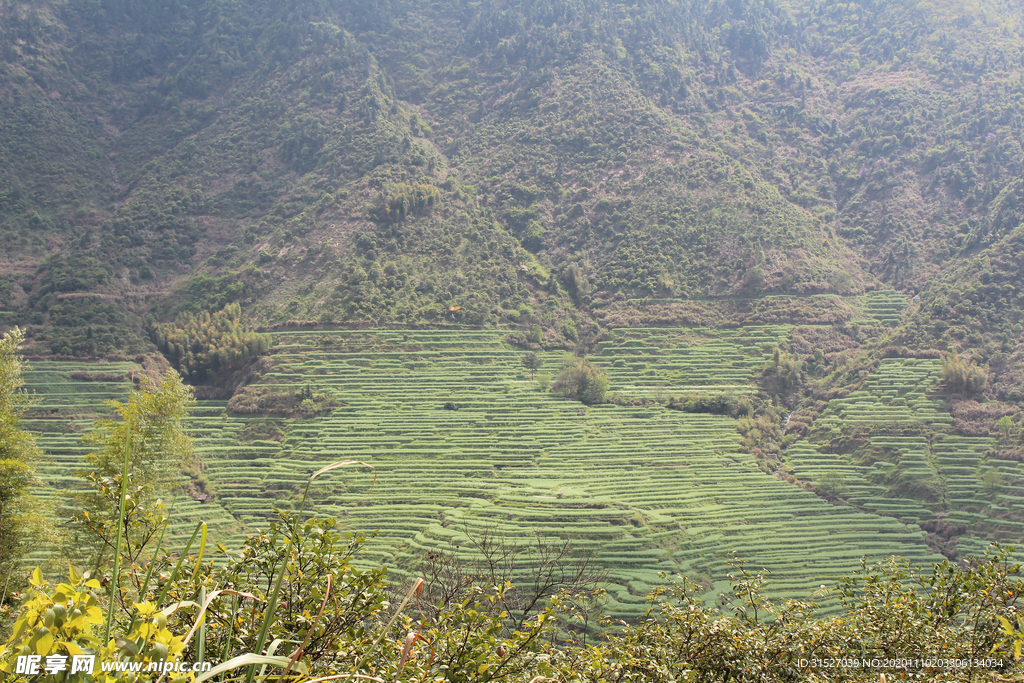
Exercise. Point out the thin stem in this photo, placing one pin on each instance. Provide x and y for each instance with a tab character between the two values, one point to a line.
3	598
115	577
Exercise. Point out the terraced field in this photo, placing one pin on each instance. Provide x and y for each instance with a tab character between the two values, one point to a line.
648	361
885	307
888	444
71	396
644	489
66	408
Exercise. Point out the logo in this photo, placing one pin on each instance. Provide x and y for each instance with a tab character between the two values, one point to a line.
32	665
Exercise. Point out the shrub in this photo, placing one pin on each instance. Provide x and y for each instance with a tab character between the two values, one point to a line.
305	402
721	403
963	377
582	381
544	381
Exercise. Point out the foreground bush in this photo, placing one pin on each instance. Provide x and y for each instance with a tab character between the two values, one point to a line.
290	600
18	452
294	597
940	625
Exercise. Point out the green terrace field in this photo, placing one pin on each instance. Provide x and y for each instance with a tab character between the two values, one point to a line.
71	395
652	362
889	443
642	489
884	308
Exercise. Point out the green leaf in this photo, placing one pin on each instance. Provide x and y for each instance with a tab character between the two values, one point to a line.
44	644
249	659
202	551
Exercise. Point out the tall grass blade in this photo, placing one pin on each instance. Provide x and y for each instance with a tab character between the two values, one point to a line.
152	562
202	551
272	601
271	649
410	641
201	619
201	526
250	660
149	574
231	630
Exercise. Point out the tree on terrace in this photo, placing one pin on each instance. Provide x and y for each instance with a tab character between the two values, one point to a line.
17	453
532	362
582	381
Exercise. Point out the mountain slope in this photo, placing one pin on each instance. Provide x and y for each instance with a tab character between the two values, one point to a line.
529	162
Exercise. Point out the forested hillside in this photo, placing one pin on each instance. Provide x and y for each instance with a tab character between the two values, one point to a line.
529	162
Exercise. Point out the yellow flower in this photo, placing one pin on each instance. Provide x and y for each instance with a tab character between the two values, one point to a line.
145	608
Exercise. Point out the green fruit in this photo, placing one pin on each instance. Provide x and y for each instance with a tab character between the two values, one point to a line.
26	651
161	621
61	612
48	618
159	652
75	613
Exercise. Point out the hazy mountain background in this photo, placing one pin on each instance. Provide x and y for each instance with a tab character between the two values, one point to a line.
527	161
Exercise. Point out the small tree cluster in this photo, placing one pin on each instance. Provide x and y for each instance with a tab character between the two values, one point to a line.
582	381
207	348
788	371
260	400
721	403
149	426
401	199
962	376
